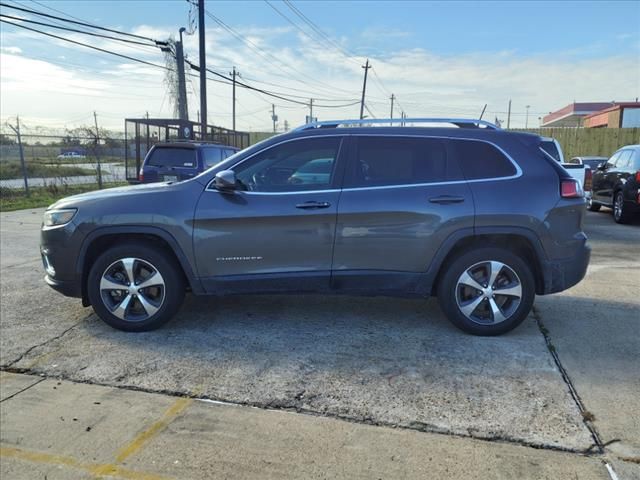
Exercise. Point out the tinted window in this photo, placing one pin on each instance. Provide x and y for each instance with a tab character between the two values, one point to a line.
594	163
397	161
212	156
614	158
173	157
291	166
482	160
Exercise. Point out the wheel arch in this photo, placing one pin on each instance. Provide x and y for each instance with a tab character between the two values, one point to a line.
101	239
521	241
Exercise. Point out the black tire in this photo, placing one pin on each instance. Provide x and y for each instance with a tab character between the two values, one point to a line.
146	258
621	215
449	291
593	207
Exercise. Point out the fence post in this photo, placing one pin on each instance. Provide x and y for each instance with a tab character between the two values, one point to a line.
22	164
98	169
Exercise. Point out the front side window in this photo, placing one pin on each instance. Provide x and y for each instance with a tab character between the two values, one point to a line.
624	160
381	161
173	157
480	160
614	159
299	165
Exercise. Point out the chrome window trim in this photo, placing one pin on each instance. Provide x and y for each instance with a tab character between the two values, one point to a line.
518	173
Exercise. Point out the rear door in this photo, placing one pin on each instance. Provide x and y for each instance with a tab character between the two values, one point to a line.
402	197
170	164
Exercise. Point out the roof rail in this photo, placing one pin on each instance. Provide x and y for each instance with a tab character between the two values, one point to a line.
459	122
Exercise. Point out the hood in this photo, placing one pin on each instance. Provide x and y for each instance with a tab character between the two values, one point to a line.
98	195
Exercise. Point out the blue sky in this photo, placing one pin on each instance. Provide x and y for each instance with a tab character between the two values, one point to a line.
444	58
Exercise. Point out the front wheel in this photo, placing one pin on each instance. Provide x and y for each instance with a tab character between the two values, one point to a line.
487	291
592	207
135	287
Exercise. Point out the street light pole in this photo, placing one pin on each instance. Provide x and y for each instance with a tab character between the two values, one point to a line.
203	72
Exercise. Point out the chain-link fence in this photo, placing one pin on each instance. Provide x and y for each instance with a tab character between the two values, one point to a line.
59	162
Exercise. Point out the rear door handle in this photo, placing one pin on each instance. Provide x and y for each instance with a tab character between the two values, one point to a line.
446	199
313	205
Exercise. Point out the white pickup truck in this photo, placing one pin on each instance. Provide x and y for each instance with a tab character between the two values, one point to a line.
582	173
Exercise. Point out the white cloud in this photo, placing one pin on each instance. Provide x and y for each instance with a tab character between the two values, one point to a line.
14	50
424	83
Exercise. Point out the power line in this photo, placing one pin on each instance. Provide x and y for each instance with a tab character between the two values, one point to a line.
135	42
85	45
84	24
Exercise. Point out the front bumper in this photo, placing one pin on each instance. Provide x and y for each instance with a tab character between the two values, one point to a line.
563	274
67	288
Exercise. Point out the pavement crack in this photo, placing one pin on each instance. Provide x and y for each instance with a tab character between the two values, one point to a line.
46	342
586	415
23	390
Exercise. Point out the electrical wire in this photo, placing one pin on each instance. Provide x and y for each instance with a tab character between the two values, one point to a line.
84	24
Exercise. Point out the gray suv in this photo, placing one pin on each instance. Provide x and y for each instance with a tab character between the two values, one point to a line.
483	218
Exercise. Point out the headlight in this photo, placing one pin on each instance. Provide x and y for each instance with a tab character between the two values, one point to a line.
55	218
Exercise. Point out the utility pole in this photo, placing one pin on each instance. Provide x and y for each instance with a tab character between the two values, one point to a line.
483	109
364	88
274	117
203	72
98	168
310	110
526	121
393	97
16	129
233	74
509	115
183	113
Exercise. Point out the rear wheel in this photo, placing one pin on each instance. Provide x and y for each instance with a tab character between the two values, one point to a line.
487	291
620	213
135	287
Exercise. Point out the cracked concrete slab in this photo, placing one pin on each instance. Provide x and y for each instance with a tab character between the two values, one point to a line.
205	440
30	314
387	361
594	328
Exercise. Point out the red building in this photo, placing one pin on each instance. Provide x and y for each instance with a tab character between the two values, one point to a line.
620	115
573	114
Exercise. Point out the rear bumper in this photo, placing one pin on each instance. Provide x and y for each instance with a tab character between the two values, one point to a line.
563	274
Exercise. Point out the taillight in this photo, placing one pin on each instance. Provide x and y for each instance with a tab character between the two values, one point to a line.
570	188
638	176
141	175
588	180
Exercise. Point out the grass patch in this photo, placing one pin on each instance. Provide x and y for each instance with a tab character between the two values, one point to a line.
15	199
11	169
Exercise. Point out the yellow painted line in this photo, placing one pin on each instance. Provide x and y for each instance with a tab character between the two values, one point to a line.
92	468
172	412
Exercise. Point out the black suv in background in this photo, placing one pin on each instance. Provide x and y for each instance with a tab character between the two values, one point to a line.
483	218
616	184
178	161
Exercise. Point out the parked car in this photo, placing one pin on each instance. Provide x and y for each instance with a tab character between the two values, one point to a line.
177	161
616	184
577	170
480	217
71	156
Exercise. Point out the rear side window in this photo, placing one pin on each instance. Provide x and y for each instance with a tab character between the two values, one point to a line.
552	149
397	161
212	156
173	157
625	160
480	160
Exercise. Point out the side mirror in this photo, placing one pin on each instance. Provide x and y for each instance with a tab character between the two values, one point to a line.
225	180
602	166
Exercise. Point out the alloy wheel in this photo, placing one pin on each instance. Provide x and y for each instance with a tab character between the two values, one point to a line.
488	292
132	289
617	206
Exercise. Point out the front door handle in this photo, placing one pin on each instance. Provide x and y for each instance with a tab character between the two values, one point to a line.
446	199
313	205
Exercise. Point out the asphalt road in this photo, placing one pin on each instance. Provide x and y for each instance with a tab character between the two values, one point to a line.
381	361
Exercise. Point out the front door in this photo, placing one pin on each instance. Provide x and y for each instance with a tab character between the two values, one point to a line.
276	231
